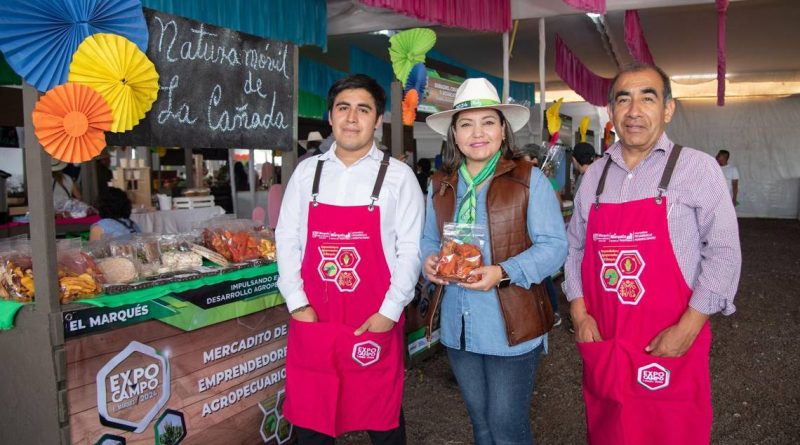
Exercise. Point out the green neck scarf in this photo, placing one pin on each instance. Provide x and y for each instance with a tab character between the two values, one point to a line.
467	209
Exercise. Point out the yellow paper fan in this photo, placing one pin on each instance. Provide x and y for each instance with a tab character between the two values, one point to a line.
117	69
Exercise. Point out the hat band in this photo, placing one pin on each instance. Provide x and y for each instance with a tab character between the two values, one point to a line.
473	103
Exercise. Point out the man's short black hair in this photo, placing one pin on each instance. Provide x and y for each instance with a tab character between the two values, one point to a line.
114	203
354	82
584	153
638	67
725	153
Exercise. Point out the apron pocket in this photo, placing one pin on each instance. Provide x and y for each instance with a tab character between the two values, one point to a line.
675	379
371	379
310	345
600	377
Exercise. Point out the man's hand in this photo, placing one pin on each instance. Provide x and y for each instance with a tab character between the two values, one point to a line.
429	268
307	314
675	340
585	325
376	323
490	276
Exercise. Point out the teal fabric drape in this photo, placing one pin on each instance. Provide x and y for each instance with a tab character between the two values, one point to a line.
302	22
315	80
379	69
519	91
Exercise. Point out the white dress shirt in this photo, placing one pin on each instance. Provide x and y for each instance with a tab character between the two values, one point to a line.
402	213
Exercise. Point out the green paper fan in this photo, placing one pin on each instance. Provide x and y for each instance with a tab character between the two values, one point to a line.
408	48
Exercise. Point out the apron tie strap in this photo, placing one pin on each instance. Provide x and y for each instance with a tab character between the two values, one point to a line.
668	170
376	191
315	186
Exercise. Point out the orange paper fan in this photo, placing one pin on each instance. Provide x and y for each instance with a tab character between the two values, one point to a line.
410	103
70	122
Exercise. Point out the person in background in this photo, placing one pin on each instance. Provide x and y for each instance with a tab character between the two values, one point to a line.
653	253
104	173
731	174
531	153
114	208
240	177
348	261
310	146
583	155
494	352
423	174
64	189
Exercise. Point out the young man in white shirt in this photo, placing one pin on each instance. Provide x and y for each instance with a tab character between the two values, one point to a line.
731	174
348	257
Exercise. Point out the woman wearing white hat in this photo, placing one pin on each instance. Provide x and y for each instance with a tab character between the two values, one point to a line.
494	329
63	188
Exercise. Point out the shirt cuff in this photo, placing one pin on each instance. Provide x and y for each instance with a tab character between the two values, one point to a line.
296	300
391	310
515	273
571	290
709	303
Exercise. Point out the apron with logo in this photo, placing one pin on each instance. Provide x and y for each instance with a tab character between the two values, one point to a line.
634	289
335	381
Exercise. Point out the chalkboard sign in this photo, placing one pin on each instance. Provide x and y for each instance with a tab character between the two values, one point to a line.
219	88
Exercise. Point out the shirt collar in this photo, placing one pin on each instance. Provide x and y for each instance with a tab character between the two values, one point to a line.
663	147
373	153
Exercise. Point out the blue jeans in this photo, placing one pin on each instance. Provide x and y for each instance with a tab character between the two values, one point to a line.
497	391
551	292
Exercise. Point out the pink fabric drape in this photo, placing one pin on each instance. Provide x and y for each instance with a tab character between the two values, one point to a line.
722	7
589	85
634	38
596	6
477	15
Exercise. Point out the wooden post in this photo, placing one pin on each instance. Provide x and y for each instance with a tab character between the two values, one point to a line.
35	347
397	120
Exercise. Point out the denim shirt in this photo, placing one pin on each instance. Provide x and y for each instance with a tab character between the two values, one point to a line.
483	324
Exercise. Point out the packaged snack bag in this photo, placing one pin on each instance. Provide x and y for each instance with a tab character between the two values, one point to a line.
461	252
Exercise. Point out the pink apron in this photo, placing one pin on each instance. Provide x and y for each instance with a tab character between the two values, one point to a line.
634	288
337	382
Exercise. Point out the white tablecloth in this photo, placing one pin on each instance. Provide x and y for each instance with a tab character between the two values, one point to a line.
174	221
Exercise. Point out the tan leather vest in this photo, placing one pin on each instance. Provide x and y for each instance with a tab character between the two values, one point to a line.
527	312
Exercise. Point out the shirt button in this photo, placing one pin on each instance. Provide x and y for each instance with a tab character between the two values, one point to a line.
630	175
466	313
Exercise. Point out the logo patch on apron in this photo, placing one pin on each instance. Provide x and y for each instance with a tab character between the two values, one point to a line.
620	274
366	352
653	376
338	265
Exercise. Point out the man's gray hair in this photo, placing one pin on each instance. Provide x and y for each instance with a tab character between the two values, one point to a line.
638	67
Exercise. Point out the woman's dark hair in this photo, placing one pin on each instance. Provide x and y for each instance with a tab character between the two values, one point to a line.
452	156
359	81
114	203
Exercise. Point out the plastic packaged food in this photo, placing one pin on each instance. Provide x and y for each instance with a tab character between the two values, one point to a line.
239	241
78	274
461	252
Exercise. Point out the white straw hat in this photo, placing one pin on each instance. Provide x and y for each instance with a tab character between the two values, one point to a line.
478	93
312	136
56	165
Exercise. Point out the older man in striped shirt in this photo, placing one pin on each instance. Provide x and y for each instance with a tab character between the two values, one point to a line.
653	252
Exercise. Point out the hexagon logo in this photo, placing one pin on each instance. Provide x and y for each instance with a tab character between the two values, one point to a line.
132	387
347	280
269	426
630	291
284	430
366	352
110	439
630	263
653	376
609	276
170	428
348	257
328	269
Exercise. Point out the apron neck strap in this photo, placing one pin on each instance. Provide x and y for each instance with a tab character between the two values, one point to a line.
668	170
666	176
376	190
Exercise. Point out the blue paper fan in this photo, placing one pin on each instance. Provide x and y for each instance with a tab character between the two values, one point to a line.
38	37
417	79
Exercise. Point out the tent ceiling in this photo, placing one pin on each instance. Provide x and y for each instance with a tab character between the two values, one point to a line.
762	38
